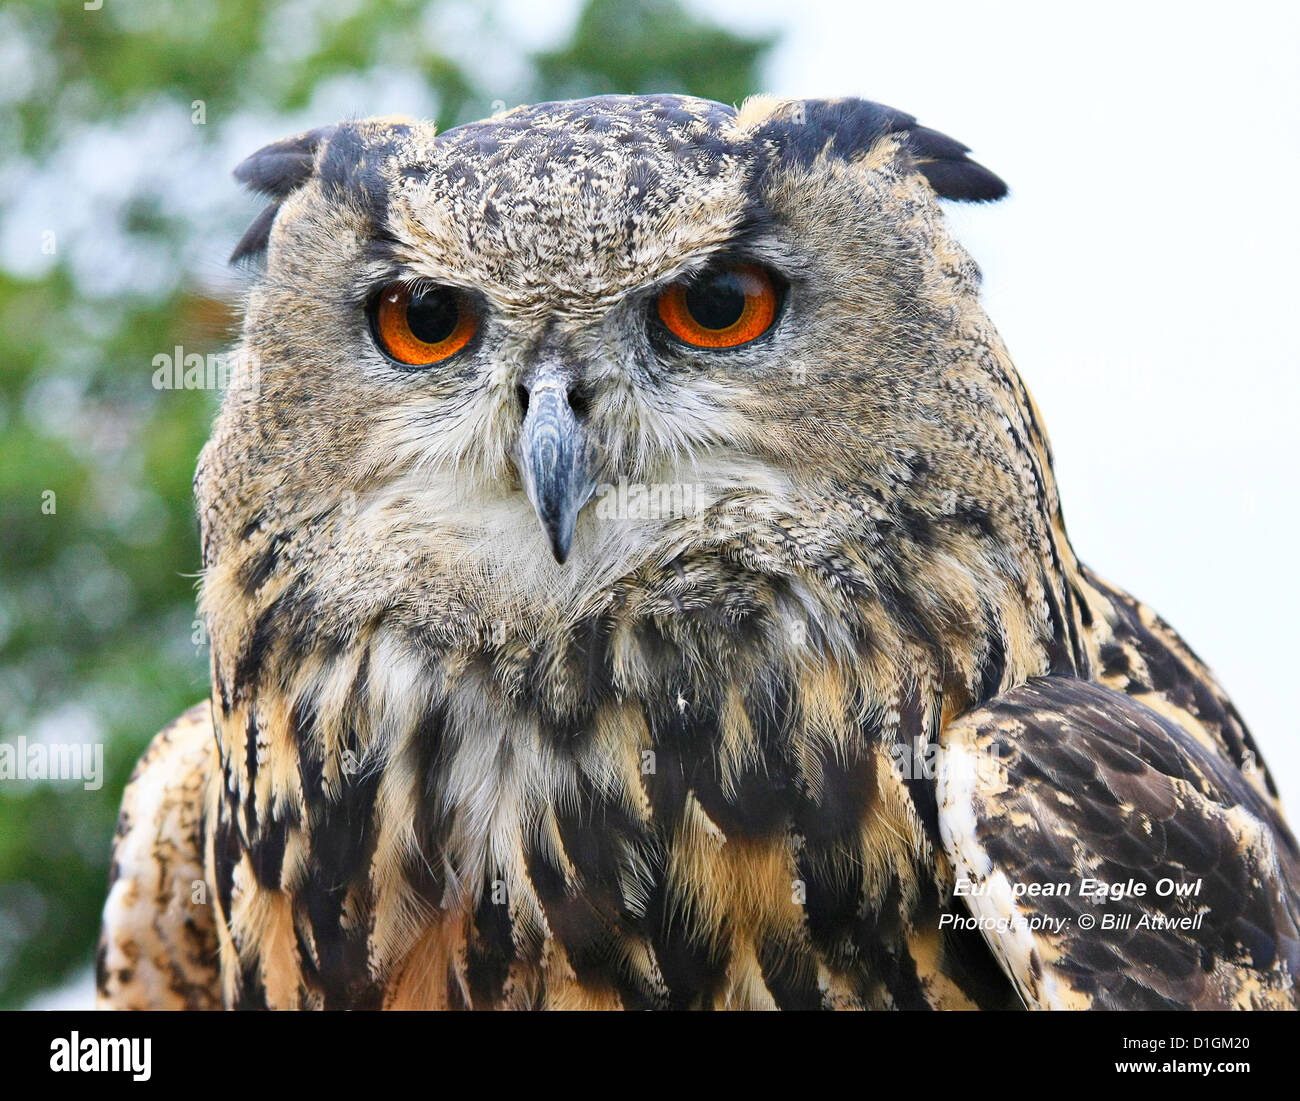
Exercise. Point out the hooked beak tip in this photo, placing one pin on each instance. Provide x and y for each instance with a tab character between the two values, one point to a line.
558	529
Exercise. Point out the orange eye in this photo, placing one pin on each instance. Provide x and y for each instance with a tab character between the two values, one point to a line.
722	308
422	327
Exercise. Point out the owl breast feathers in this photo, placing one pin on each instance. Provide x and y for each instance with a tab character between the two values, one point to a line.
636	579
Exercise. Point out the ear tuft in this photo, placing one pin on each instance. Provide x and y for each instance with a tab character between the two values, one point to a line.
276	170
953	175
802	130
257	236
284	166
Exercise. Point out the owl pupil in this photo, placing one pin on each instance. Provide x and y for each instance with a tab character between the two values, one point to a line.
432	317
717	301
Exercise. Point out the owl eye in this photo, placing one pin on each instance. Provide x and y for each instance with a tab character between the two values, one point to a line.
422	327
722	308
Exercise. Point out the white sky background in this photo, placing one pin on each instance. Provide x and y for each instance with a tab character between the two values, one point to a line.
1144	273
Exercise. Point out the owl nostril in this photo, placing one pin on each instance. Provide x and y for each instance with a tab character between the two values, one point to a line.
577	397
579	401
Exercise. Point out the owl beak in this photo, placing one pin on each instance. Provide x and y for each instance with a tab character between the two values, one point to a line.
554	462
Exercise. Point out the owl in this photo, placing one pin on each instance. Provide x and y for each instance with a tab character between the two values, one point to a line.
636	579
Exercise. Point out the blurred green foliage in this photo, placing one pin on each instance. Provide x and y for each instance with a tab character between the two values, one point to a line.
118	127
648	47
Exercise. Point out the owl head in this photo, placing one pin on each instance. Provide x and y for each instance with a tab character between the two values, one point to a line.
529	354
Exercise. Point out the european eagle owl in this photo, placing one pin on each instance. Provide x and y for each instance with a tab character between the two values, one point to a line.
635	578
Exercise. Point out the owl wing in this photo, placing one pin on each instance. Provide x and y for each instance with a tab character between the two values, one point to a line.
158	945
1062	780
